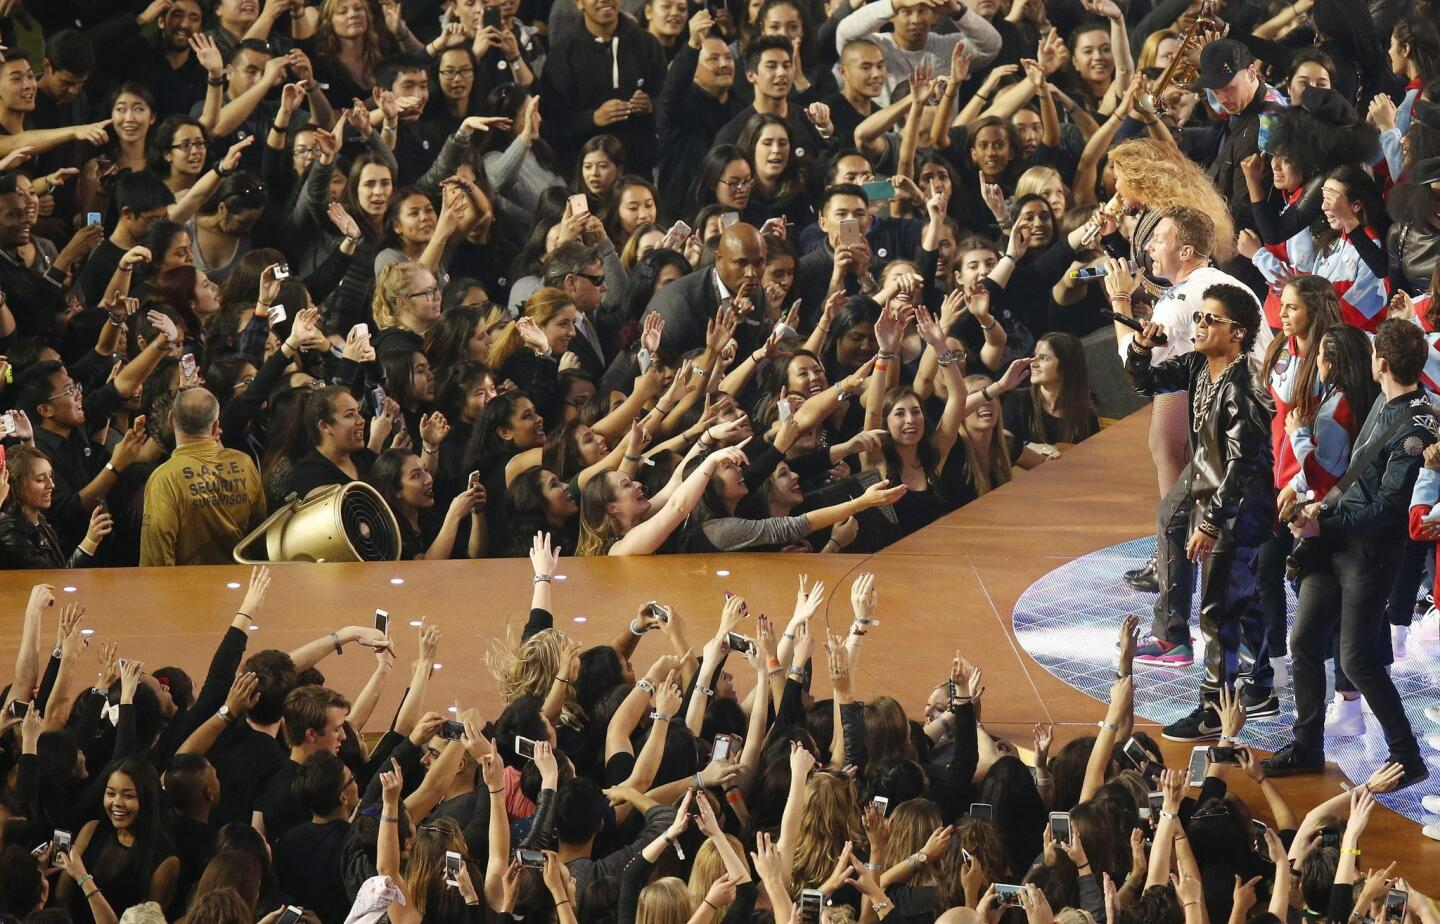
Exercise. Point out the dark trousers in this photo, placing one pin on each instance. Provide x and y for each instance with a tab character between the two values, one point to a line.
1228	614
1347	588
1273	606
1400	611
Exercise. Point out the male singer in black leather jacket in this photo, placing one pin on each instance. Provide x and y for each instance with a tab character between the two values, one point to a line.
1361	537
1224	503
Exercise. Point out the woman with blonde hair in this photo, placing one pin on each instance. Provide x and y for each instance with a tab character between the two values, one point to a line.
1046	183
645	238
540	666
1159	50
532	350
406	305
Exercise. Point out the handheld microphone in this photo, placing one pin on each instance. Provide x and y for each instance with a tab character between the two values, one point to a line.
1160	339
1097	272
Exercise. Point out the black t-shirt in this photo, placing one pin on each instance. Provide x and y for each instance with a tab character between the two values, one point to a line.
245	760
98	270
314	471
282	810
308	862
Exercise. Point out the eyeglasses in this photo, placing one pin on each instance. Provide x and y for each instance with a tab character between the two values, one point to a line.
432	292
593	280
194	144
1206	319
73	391
305	150
450	73
738	185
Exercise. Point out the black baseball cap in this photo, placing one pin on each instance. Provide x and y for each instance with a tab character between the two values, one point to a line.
1220	62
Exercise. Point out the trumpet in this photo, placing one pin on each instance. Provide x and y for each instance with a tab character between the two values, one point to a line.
1185	64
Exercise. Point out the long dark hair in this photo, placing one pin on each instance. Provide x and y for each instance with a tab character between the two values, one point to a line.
1359	187
1073	405
151	843
792	179
1347	353
1348	25
1323	307
446	339
386	474
1418	30
487	449
452	389
926	452
712	167
526	513
397	369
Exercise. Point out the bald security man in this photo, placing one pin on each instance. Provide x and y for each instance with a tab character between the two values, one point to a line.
689	302
202	500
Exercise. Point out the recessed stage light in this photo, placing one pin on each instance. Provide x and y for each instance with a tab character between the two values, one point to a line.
438	666
254	628
233	585
416	623
68	590
87	632
453	709
559	577
397	580
722	573
581	619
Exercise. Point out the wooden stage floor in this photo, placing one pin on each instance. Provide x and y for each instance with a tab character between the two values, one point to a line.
951	586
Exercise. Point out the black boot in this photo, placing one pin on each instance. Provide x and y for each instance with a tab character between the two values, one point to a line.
1144	578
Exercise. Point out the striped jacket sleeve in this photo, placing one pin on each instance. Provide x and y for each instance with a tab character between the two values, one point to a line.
1323	449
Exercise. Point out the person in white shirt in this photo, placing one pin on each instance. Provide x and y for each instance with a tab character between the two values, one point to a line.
912	43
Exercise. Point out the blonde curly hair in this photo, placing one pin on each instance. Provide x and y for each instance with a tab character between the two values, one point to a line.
530	667
1163	177
392	287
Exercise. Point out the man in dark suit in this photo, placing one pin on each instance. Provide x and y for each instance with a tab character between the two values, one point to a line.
689	302
578	270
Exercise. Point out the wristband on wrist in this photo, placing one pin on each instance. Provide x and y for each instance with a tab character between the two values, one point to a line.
335	640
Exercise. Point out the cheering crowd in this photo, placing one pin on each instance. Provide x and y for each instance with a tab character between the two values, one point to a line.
630	278
712	785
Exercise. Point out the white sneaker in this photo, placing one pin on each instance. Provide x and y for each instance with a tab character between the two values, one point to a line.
1431	831
1280	664
1344	717
1430	804
1398	635
1433	741
1432	713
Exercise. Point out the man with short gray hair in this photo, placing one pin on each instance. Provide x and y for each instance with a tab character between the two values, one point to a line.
204	498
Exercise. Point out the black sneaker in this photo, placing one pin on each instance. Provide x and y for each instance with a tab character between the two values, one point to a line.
1201	725
1289	761
1415	771
1259	704
1144	578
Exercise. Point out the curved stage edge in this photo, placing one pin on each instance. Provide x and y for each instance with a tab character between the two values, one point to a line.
951	586
1066	622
